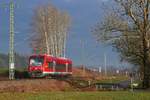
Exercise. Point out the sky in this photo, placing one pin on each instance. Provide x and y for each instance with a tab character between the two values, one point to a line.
82	47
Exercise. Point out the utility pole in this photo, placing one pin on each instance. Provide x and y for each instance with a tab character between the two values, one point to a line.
82	57
105	64
11	39
11	43
100	70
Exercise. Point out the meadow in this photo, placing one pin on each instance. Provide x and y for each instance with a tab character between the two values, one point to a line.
101	95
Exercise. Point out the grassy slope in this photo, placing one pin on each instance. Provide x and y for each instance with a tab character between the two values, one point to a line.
76	96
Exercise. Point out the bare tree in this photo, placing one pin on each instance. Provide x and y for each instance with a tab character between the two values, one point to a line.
51	27
127	28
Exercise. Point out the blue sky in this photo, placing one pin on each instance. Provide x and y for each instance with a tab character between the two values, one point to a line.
84	15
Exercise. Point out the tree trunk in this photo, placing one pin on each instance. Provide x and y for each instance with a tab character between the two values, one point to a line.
146	77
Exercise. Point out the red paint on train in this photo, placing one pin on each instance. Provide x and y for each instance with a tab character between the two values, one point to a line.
45	65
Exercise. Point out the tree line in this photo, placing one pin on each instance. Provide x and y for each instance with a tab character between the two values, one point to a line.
49	27
20	61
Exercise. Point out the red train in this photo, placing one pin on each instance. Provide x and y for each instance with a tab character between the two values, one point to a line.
46	65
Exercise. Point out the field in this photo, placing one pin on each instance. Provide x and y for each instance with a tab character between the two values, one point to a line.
58	89
76	96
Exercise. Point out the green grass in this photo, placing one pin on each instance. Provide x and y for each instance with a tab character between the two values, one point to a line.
3	70
76	96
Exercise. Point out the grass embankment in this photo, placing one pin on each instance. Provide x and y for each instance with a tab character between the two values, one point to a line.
76	96
19	72
4	70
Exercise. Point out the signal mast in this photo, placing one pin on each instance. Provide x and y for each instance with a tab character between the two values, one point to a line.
11	43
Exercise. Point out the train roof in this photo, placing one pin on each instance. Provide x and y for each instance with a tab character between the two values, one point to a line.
56	58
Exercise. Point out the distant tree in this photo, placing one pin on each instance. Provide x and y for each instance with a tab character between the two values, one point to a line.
20	60
127	28
3	60
51	27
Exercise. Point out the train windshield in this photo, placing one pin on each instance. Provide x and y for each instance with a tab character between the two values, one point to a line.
36	61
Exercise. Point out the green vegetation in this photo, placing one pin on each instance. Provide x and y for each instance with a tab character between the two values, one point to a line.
76	96
3	70
20	60
19	72
113	79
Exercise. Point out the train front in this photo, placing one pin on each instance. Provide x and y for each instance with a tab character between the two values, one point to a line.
35	67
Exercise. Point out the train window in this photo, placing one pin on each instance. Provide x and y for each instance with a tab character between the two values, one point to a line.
50	64
36	61
70	65
60	66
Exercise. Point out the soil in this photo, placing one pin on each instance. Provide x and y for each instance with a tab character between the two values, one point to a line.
33	85
39	85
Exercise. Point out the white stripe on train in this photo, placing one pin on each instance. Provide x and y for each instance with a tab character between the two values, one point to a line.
57	72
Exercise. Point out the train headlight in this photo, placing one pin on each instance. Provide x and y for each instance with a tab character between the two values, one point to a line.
46	66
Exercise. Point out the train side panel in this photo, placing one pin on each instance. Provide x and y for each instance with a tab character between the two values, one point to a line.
49	65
